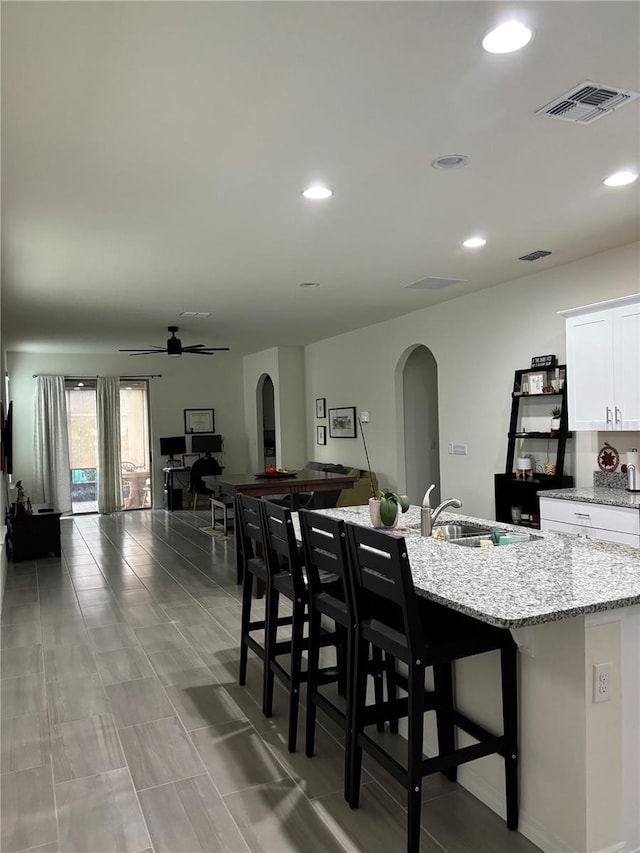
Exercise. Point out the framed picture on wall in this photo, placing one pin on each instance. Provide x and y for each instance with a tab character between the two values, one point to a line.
321	435
321	407
342	422
198	420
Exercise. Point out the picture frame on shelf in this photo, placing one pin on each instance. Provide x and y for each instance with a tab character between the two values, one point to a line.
199	420
342	422
321	434
537	382
321	407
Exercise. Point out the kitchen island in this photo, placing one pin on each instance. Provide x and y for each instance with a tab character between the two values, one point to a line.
571	603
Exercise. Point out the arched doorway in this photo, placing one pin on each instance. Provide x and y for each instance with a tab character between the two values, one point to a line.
421	425
266	421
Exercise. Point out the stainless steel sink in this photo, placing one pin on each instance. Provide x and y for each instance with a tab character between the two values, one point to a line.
474	541
458	531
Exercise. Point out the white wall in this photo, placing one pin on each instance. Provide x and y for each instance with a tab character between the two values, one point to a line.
285	366
186	383
478	341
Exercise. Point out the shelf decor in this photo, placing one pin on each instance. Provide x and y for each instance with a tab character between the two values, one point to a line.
199	420
342	422
537	382
543	361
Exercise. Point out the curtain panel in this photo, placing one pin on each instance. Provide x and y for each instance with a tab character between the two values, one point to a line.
109	463
51	477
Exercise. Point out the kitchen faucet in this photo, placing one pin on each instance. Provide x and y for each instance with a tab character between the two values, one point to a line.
428	515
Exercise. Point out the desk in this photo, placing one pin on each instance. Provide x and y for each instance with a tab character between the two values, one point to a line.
304	481
137	480
173	496
35	535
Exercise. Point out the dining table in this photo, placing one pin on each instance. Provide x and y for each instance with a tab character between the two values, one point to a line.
292	482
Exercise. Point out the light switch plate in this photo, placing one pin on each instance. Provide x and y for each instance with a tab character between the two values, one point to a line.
364	417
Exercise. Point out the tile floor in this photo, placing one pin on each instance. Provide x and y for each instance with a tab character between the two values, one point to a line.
124	729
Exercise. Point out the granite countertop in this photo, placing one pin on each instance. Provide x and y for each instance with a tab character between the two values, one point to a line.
554	576
596	495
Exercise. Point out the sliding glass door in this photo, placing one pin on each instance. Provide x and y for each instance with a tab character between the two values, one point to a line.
134	444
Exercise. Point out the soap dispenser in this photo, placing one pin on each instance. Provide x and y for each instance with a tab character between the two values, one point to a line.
425	513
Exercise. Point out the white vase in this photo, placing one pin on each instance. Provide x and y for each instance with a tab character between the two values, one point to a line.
374	513
555	424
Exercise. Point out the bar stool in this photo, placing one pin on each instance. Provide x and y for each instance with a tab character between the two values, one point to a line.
286	578
325	554
250	541
389	615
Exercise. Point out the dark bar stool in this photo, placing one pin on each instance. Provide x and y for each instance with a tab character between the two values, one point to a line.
325	555
421	633
250	542
286	578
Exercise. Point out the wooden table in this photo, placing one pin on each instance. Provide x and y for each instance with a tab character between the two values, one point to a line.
256	487
137	481
304	481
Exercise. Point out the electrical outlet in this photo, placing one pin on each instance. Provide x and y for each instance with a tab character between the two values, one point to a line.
601	682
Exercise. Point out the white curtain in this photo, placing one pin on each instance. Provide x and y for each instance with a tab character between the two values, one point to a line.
52	474
109	465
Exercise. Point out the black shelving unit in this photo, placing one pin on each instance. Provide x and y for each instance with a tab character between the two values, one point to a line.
511	491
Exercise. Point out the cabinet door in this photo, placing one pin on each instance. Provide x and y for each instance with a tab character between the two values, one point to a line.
626	363
590	373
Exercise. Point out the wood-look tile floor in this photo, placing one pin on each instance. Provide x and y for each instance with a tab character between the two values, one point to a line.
124	728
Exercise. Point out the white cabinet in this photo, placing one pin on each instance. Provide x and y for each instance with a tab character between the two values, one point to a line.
593	521
603	365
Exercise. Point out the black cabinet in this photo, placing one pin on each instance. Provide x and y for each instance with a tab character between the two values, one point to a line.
35	535
515	489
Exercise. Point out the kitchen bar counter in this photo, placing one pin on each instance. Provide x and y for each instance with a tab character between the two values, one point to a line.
550	578
597	495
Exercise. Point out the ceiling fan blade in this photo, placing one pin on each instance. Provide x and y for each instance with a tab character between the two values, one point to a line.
142	351
150	348
200	348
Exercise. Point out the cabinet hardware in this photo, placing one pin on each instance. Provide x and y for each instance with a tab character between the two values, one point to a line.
609	417
618	416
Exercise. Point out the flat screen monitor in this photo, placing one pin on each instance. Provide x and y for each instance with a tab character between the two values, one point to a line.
206	443
175	445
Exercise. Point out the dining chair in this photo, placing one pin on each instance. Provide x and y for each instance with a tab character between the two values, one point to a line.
421	634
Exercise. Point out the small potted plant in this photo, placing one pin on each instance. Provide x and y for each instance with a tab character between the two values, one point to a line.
383	503
556	414
385	508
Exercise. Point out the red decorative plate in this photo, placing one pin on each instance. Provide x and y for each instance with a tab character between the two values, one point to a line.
277	475
608	458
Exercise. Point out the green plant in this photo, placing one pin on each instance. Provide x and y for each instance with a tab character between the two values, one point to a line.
556	412
390	502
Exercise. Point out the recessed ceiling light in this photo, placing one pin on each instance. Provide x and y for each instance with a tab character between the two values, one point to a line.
510	36
474	242
450	161
317	192
309	284
621	179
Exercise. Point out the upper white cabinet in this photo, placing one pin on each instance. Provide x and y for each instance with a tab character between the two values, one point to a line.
603	365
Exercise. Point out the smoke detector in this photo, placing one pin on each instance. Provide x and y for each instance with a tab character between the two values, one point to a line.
588	102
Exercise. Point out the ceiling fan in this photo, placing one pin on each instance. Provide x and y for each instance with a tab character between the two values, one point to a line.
174	347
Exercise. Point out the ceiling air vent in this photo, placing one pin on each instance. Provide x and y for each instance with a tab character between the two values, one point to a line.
534	256
432	283
588	102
